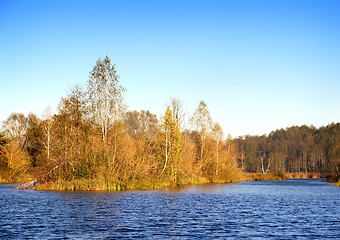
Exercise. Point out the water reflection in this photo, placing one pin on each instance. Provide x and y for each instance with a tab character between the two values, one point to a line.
208	187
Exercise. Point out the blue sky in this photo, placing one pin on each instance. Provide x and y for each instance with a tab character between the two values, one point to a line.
259	65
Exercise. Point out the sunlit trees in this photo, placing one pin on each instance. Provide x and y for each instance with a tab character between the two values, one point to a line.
16	158
92	143
14	152
47	125
3	161
202	123
217	135
294	149
105	95
69	135
143	127
15	127
33	143
178	112
170	145
3	139
141	124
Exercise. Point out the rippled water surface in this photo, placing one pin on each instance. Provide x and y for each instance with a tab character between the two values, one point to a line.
294	209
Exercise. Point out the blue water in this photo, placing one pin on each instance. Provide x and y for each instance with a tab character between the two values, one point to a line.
294	209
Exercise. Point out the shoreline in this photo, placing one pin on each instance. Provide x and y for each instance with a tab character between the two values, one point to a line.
151	184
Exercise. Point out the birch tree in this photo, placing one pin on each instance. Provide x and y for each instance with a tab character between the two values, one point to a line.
218	135
105	95
47	129
16	157
178	112
15	127
202	123
170	145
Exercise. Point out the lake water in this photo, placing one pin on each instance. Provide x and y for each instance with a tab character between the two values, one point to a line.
294	209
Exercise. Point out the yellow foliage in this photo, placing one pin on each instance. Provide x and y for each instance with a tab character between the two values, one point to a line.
15	156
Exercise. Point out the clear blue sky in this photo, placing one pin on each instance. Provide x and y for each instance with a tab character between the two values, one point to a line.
259	65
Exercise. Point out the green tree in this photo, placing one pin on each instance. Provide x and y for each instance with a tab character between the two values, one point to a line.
170	144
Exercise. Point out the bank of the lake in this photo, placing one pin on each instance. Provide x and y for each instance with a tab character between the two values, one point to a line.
109	185
147	184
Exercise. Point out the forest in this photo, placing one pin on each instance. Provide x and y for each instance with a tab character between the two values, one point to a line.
94	143
294	149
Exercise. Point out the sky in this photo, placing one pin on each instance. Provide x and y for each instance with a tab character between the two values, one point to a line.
259	65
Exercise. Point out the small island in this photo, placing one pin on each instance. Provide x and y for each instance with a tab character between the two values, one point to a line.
94	143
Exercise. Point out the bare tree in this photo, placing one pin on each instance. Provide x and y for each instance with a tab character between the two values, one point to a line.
265	171
178	112
141	124
15	127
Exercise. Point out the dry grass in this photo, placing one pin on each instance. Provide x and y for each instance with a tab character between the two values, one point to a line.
81	185
103	185
280	176
304	175
265	177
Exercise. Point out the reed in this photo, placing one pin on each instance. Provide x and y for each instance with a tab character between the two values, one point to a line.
304	175
82	185
266	177
102	184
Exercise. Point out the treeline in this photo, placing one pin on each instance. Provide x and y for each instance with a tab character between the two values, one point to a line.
295	149
94	143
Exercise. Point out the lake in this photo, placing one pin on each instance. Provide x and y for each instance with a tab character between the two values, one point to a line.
294	209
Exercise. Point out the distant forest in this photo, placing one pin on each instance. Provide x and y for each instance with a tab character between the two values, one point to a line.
294	149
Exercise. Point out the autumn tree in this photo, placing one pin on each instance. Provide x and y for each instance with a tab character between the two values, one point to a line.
69	134
3	163
142	124
33	143
14	152
178	112
15	127
106	95
217	135
3	139
143	127
47	126
202	123
170	145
